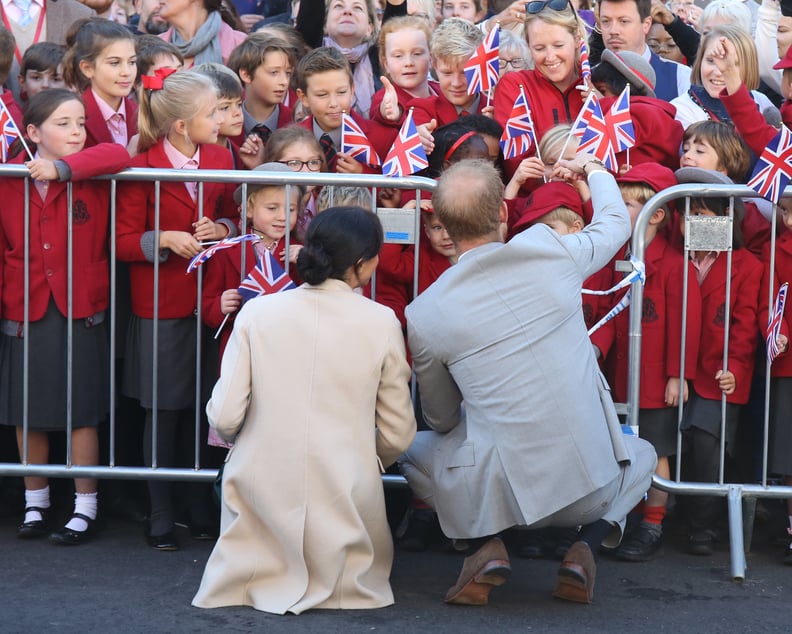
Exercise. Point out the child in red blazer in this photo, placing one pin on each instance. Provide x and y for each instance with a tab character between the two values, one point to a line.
780	447
702	418
269	216
661	324
178	129
102	63
324	85
54	124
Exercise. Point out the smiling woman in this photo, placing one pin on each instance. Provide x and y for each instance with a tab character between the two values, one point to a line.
702	101
553	31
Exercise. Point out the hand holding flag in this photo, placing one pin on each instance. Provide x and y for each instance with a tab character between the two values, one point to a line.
519	132
226	243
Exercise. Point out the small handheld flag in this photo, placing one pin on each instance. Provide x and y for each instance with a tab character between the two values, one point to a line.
481	70
355	143
227	243
592	128
773	169
519	132
620	122
407	155
9	132
265	278
774	327
585	65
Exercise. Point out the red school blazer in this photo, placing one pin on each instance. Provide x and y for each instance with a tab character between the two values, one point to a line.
48	238
746	280
661	327
439	109
178	292
782	365
95	126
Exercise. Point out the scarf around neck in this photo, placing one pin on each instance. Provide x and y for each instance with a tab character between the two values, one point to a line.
205	45
713	107
362	73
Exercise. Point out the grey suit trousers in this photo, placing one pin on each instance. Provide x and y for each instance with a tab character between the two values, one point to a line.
612	502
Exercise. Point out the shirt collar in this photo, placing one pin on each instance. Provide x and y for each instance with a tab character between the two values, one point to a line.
335	135
179	160
107	111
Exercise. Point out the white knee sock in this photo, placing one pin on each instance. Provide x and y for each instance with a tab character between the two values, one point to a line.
85	504
39	498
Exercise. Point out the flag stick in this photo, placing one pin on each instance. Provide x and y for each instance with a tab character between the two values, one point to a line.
219	330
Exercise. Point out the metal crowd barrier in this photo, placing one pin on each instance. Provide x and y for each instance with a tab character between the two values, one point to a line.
401	227
735	493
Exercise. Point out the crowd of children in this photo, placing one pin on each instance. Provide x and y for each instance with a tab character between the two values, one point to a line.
109	99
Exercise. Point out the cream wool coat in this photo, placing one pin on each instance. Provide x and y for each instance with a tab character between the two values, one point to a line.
315	383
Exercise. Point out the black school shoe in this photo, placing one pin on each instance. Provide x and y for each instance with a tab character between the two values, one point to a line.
69	537
37	528
701	542
642	544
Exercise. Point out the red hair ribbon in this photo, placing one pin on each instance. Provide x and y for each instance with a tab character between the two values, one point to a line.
156	81
458	142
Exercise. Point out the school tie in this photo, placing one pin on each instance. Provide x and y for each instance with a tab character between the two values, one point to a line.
24	12
329	151
263	132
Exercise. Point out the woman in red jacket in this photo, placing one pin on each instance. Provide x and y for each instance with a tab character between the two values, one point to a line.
178	129
553	33
55	124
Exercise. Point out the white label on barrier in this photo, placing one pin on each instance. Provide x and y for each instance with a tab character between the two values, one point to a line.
398	225
708	233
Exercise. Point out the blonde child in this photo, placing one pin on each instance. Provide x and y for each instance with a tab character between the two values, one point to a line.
178	129
54	124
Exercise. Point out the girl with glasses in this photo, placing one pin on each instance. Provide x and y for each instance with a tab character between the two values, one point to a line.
553	32
296	148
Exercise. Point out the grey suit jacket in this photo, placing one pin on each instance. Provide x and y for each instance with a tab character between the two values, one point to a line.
503	332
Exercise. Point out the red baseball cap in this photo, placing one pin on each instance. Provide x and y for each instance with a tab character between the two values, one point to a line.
547	198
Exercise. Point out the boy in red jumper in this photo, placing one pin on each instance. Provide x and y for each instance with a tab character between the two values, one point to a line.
661	388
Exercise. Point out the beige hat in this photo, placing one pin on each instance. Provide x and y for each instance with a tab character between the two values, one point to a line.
635	69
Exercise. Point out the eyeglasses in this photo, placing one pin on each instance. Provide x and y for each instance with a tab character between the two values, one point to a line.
295	165
535	6
518	63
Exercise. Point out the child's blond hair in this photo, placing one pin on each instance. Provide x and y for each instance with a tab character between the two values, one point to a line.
455	40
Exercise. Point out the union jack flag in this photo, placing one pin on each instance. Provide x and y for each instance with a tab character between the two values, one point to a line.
355	143
773	170
9	132
592	129
774	327
620	122
227	243
407	155
519	133
265	278
481	70
585	65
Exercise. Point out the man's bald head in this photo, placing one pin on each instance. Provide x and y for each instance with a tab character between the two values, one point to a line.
468	199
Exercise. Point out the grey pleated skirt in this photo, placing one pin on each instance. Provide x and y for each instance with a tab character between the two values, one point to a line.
779	451
659	427
176	357
705	414
48	373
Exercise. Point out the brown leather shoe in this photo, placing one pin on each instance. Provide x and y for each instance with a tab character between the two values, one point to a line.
488	567
576	575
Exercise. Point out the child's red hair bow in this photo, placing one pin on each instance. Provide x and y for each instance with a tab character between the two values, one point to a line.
156	81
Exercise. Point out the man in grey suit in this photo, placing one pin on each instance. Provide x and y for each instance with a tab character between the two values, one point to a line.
524	430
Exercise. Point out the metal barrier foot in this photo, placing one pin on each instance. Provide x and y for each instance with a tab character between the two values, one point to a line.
736	534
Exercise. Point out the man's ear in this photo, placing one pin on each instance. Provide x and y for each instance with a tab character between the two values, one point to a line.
503	213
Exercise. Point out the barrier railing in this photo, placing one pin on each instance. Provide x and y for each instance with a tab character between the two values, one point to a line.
735	493
397	229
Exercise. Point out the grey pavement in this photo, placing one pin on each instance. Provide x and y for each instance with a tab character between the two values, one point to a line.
116	584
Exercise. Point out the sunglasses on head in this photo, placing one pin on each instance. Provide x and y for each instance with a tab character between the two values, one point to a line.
535	6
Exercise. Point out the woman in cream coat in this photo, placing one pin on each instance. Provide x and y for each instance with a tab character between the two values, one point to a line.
314	393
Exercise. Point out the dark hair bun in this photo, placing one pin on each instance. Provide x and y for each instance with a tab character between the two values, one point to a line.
314	264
